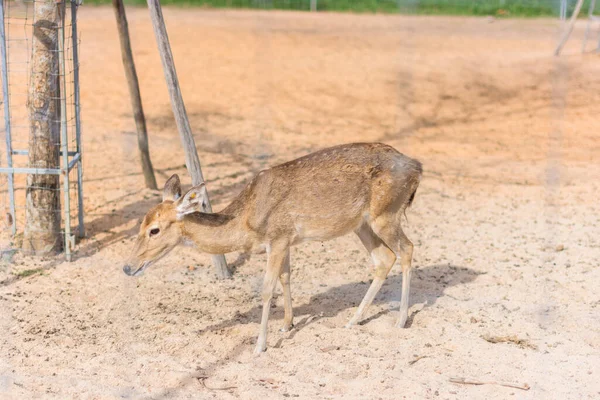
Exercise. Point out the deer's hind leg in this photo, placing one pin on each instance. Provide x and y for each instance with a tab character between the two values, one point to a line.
284	278
383	259
390	231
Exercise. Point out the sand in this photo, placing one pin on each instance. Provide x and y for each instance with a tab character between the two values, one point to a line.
505	222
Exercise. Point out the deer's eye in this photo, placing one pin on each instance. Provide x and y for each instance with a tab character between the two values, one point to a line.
154	232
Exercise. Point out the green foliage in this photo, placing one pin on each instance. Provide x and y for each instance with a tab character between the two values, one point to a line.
499	8
514	8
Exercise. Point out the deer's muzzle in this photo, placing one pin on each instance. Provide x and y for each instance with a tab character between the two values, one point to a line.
128	270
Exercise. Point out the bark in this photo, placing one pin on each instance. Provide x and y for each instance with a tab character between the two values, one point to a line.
42	231
134	94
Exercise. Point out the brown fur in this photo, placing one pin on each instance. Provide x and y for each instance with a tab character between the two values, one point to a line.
360	187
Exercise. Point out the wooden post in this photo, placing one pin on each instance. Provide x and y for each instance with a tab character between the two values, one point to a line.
42	231
134	94
183	124
587	26
569	28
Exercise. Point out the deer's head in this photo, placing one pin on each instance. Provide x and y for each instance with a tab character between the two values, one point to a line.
161	229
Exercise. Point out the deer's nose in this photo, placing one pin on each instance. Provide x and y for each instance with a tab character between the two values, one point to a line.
127	270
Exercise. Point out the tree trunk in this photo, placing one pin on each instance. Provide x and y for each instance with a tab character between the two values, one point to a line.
134	94
42	232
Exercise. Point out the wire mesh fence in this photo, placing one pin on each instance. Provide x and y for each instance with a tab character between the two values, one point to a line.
502	128
560	8
40	160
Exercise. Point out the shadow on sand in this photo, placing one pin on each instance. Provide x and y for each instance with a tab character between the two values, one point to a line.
106	223
428	284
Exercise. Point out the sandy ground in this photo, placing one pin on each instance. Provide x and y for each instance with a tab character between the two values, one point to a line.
505	223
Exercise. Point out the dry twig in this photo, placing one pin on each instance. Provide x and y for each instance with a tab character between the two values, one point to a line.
202	380
509	339
327	349
467	381
416	359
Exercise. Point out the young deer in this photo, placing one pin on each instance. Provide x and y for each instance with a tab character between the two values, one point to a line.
361	187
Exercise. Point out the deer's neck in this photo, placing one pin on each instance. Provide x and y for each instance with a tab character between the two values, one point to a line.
215	233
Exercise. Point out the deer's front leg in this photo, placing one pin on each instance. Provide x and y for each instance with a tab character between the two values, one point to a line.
277	257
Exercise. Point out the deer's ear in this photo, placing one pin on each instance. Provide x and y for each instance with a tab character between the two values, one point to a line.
172	190
194	200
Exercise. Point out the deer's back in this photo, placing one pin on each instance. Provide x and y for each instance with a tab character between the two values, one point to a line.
327	193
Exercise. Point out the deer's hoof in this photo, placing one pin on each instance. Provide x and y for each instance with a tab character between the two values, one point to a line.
287	328
258	350
402	322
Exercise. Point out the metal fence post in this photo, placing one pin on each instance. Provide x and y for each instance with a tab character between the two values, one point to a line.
80	212
7	127
64	137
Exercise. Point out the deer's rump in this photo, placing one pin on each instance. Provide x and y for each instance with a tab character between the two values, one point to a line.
330	192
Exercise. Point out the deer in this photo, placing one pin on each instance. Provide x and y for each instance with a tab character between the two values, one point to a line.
363	188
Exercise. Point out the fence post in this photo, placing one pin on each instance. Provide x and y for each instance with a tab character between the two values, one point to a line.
7	127
64	137
183	124
569	28
134	94
75	47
